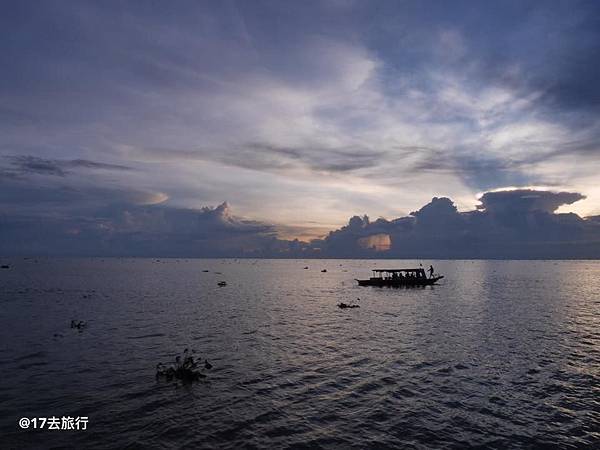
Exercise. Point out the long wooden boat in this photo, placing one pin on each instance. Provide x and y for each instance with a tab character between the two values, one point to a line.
400	277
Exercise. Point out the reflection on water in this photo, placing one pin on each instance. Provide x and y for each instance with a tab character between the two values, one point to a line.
500	353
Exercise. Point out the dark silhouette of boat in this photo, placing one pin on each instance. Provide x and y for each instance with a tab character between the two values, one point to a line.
400	277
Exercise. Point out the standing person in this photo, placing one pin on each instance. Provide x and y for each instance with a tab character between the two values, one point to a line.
430	271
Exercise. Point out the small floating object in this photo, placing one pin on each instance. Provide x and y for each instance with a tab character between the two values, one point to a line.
185	371
324	270
4	266
306	268
343	305
222	283
206	270
79	324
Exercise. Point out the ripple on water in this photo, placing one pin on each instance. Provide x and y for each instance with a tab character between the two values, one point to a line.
503	354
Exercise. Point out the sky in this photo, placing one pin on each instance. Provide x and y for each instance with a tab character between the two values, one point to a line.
149	127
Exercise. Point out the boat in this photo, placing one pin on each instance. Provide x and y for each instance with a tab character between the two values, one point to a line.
400	277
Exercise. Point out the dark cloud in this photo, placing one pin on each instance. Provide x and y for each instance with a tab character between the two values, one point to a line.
31	164
267	157
526	46
320	159
508	224
22	165
126	229
478	171
522	201
28	194
570	71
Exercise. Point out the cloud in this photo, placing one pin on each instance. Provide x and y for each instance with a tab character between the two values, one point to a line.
277	106
521	201
145	198
261	156
508	224
138	230
27	164
45	188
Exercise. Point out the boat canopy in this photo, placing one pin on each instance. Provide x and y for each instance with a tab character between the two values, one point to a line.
398	270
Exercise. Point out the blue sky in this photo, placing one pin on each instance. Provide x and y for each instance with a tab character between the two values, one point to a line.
299	114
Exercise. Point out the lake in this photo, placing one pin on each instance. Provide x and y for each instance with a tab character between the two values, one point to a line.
498	354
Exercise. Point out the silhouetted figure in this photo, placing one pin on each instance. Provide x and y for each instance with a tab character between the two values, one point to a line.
430	271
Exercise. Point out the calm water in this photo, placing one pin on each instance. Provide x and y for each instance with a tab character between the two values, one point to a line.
501	354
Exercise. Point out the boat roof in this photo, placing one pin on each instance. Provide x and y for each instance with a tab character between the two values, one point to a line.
398	270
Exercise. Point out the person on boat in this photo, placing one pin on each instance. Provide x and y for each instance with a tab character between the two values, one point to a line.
430	270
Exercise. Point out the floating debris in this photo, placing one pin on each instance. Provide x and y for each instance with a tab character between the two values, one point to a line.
345	305
185	371
222	283
79	324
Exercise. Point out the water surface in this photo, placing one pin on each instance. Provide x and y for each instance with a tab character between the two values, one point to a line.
500	354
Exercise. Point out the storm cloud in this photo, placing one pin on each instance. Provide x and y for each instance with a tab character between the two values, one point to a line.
508	224
138	230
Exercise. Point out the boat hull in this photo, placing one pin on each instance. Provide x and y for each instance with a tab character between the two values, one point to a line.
400	283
